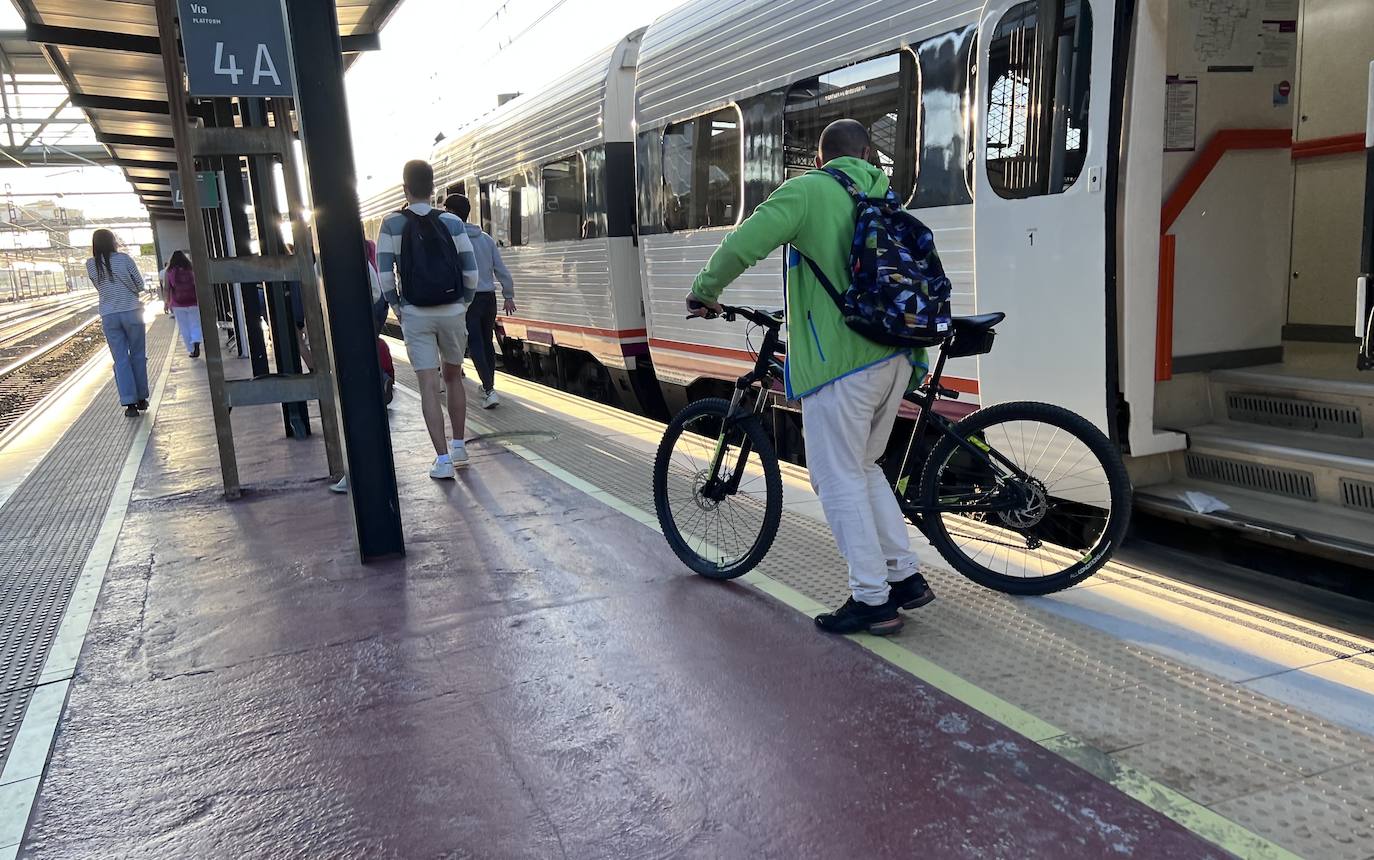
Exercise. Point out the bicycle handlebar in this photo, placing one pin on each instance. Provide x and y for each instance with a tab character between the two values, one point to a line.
767	319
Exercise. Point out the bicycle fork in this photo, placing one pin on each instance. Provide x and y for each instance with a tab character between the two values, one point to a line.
715	489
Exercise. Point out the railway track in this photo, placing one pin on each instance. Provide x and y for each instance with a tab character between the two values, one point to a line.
40	346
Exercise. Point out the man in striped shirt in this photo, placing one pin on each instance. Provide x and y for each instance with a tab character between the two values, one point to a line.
435	335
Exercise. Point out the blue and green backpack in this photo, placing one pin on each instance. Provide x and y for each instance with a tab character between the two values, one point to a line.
898	295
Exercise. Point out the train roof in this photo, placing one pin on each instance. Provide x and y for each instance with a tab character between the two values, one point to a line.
708	53
564	117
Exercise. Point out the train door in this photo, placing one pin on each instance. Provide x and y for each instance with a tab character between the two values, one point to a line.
1329	171
1040	230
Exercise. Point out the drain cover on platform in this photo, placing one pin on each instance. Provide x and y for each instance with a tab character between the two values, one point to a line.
513	436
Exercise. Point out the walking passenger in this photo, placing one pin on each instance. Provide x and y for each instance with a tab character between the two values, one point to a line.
430	252
120	285
181	295
482	311
850	387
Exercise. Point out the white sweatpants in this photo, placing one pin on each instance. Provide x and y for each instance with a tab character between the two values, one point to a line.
188	323
846	425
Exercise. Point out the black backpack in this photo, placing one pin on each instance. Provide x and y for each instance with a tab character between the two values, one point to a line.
429	267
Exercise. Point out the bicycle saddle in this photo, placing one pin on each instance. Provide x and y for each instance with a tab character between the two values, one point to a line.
979	322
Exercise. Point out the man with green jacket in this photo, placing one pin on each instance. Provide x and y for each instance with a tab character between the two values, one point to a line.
850	387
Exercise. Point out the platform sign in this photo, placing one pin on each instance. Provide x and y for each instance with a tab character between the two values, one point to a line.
235	47
207	186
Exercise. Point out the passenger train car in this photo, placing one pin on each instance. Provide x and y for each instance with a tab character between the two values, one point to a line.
1165	196
552	177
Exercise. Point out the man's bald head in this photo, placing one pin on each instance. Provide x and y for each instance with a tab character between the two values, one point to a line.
843	137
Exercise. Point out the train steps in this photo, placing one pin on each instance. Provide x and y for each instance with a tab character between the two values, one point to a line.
1291	457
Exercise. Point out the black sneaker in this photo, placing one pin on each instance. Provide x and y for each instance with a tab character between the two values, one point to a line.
131	411
857	617
911	593
141	406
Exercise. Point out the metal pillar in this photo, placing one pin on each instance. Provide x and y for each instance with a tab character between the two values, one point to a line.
234	200
281	318
322	109
200	252
193	142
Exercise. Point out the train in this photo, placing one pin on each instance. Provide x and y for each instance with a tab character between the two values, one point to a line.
1129	183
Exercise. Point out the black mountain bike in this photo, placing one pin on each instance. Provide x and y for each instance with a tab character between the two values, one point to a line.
1025	498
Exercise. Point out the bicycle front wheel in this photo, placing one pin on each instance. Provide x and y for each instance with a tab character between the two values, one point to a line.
719	521
1043	507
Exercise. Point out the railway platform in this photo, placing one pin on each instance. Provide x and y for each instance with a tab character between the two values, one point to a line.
540	677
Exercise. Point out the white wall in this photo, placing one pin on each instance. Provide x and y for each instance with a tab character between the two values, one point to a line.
1231	277
170	236
1338	39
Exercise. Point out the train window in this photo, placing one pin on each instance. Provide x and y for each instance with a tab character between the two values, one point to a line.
563	199
499	200
877	93
679	140
594	223
946	119
1038	74
457	188
531	208
485	206
702	171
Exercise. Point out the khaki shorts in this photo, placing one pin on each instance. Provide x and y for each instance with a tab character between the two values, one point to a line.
431	338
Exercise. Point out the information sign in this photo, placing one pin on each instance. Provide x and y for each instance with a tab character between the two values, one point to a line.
235	48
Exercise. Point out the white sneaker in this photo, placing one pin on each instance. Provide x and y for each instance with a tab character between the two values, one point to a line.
457	454
491	400
442	468
341	487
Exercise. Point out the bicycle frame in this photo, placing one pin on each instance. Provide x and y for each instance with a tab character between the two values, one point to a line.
925	399
767	367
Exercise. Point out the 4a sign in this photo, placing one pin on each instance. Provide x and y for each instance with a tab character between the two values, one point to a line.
235	47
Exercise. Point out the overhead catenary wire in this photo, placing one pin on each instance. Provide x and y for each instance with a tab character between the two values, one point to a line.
528	27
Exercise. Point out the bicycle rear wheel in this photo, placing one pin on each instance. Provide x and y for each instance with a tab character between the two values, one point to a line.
717	531
1033	533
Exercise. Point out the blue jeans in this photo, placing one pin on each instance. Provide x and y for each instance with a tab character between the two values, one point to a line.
125	335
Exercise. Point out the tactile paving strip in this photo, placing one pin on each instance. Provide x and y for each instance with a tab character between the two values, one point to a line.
47	528
1217	742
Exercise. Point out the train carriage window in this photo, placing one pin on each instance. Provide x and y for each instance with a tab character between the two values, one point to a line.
702	171
679	140
564	192
877	93
514	205
485	207
946	119
1038	74
531	208
595	214
499	212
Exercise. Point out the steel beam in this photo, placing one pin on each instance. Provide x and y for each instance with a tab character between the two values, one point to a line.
210	142
86	101
140	140
322	110
73	37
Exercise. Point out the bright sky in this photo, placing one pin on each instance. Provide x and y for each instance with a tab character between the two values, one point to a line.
443	63
418	85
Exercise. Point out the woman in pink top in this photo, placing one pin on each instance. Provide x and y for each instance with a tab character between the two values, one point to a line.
181	294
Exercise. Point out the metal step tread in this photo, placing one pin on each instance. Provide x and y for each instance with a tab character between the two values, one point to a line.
1348	456
1278	378
1325	524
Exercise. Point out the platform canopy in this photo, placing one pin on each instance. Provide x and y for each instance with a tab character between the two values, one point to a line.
105	54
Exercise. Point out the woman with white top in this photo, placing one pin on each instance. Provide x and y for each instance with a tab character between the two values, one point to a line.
120	285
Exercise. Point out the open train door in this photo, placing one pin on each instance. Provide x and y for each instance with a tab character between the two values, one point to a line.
1044	81
1364	300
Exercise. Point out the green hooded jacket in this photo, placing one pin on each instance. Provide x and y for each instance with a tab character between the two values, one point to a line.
815	216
